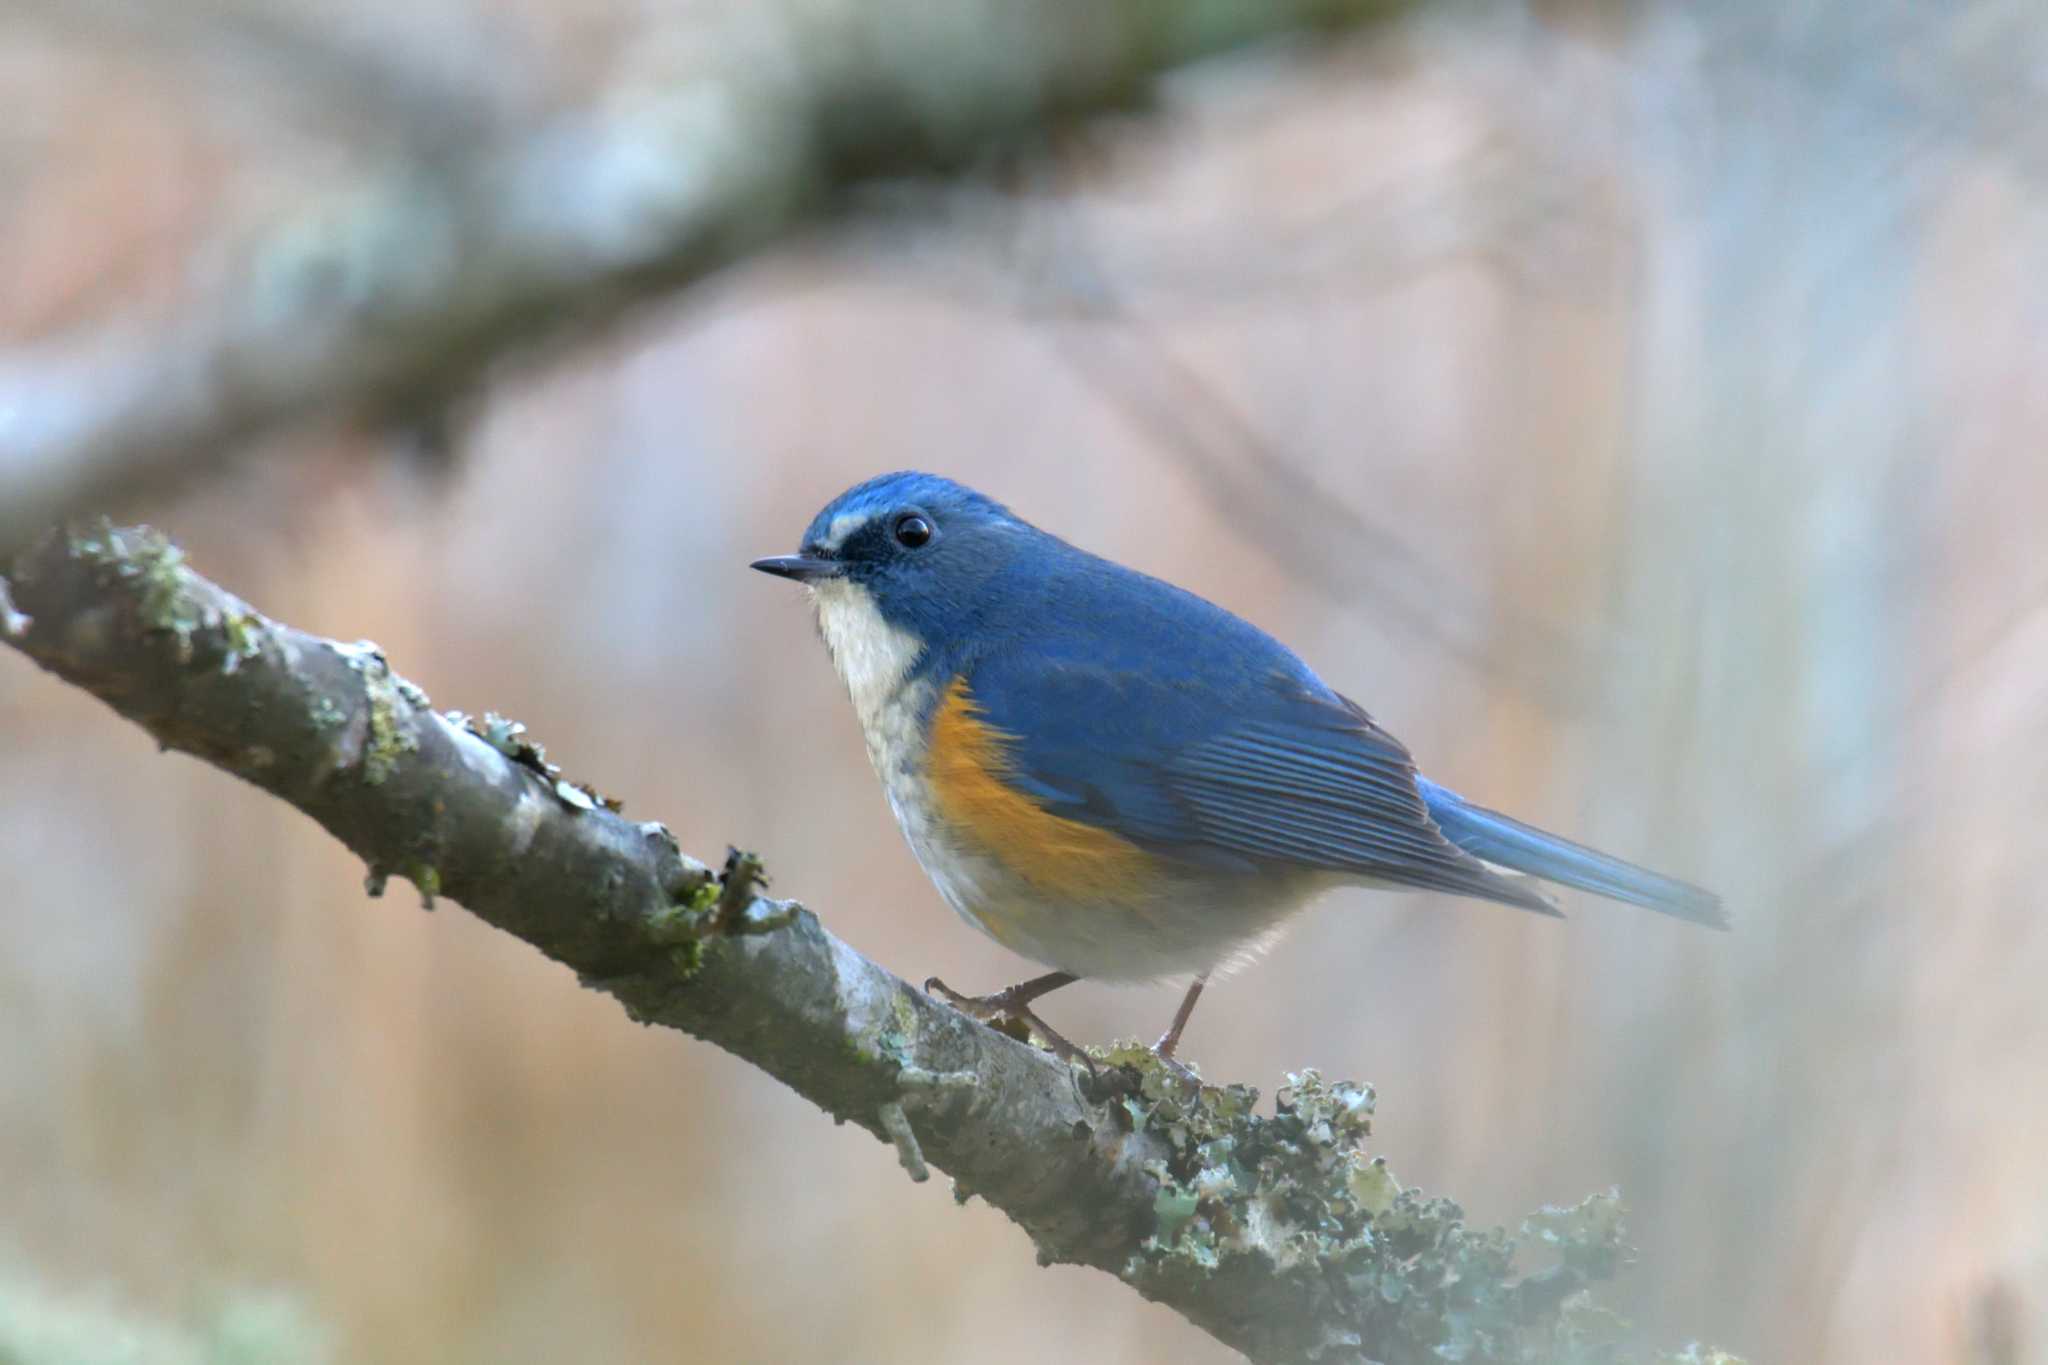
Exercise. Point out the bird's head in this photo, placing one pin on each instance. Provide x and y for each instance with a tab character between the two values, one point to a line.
902	563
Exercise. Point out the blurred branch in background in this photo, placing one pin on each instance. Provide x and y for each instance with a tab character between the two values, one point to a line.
396	291
425	99
39	1326
1504	205
1277	1235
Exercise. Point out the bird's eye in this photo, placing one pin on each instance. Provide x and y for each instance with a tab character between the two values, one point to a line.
912	531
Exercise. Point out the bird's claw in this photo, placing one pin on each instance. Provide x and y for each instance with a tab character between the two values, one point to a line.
1163	1051
1009	1006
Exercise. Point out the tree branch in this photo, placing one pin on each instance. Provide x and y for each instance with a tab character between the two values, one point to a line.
1276	1234
392	294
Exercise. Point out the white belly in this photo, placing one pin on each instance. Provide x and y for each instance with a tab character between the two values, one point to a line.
1191	923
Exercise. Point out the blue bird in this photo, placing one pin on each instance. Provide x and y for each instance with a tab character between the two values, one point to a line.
1117	779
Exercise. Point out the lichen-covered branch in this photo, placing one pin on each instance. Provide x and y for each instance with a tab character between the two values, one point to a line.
1277	1234
387	295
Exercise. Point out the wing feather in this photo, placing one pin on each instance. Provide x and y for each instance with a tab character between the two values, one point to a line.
1243	771
1338	796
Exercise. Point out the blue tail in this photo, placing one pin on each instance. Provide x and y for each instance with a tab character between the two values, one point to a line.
1524	848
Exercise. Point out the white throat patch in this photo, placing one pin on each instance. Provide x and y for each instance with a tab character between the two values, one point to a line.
873	657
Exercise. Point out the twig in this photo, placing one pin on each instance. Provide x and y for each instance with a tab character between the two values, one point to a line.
896	1124
393	294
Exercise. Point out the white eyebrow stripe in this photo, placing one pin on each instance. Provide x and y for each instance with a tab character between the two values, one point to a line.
843	527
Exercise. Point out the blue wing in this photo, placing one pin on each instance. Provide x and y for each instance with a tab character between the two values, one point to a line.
1238	758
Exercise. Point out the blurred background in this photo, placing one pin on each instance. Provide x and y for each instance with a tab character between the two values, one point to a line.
1639	407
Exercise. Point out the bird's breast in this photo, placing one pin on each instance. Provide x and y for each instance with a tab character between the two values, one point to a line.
1062	892
969	774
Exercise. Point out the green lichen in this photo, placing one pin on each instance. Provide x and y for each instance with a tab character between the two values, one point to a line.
511	739
682	927
902	1026
326	715
391	734
742	875
427	878
741	907
1588	1334
243	632
1294	1203
687	919
707	908
388	740
165	596
889	1041
166	599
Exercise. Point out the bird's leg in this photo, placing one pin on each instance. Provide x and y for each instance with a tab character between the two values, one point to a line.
1013	1004
1170	1039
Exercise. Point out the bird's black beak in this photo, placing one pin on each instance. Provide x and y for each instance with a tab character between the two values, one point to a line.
803	568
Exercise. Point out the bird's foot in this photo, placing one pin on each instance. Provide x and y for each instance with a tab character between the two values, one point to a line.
1011	1007
1163	1050
1169	1040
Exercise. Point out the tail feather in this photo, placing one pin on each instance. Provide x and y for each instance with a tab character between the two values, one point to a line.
1505	841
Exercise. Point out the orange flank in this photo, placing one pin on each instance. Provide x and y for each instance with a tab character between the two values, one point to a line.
1061	858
